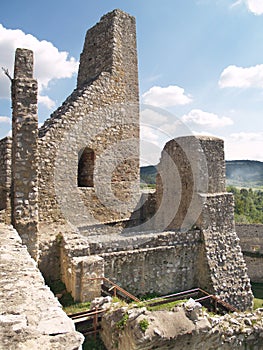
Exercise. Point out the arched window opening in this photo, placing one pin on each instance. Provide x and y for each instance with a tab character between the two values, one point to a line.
86	168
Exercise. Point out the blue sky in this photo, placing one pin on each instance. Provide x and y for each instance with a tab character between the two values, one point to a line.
199	60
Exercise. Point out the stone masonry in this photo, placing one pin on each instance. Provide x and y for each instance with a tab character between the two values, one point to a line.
24	194
178	249
196	165
101	115
5	178
186	326
251	241
30	316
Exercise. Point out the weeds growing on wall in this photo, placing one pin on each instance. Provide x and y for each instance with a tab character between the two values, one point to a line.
144	324
123	321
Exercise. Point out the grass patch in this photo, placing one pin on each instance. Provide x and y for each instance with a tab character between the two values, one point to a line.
150	296
149	307
257	289
65	299
76	307
166	307
258	303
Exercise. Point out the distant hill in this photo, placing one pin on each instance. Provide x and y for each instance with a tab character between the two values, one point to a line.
239	173
244	173
148	174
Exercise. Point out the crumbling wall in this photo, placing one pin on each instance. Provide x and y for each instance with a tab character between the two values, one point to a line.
226	270
78	268
5	178
187	326
251	242
103	115
24	195
160	270
190	192
147	263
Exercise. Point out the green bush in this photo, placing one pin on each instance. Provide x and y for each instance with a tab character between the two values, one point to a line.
122	323
144	324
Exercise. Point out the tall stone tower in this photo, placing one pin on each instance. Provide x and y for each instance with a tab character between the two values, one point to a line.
24	194
92	140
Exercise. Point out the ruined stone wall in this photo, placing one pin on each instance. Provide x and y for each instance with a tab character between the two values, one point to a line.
101	114
78	267
24	195
161	270
251	241
123	242
188	166
30	315
225	270
190	192
146	263
251	237
186	326
5	178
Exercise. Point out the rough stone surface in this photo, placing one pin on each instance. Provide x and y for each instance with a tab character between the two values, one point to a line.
251	241
24	195
226	274
185	327
101	114
30	316
5	179
189	166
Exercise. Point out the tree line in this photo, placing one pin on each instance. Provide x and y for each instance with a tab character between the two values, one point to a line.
248	205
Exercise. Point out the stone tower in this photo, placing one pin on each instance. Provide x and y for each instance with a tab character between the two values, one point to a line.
89	147
24	194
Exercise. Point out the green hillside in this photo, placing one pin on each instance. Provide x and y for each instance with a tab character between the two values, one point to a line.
244	173
239	173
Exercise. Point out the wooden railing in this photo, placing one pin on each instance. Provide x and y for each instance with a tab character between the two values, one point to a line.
115	288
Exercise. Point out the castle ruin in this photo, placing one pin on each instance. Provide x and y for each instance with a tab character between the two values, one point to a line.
71	188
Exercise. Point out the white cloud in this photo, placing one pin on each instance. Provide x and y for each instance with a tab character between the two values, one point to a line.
206	133
240	77
255	6
149	116
148	134
244	145
166	96
5	120
46	101
236	3
247	136
50	63
211	120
